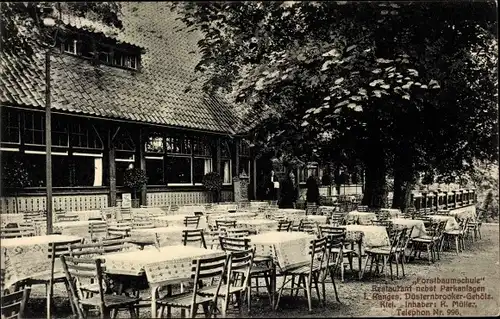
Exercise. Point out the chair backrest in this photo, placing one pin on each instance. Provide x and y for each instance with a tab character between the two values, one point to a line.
318	252
17	232
327	230
33	215
141	223
192	221
98	228
237	232
284	225
113	245
209	268
362	208
13	304
406	237
67	218
114	231
96	218
234	244
86	250
81	271
240	262
308	226
399	240
225	223
212	238
193	236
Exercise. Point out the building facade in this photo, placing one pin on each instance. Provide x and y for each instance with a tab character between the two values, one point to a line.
119	99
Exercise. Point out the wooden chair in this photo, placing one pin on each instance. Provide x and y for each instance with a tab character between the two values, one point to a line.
262	265
205	269
56	250
141	223
308	275
225	223
334	261
458	235
284	226
386	253
79	272
17	232
475	225
337	219
311	209
308	226
192	221
118	231
212	238
98	229
193	236
111	245
431	243
338	233
67	218
33	216
12	305
237	232
237	280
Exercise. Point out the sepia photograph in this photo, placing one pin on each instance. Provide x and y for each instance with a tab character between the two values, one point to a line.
249	159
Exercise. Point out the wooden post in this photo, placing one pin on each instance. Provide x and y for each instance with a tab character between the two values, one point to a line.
48	143
112	170
142	164
236	166
254	168
218	154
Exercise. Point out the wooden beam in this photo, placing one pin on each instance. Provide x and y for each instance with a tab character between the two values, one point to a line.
142	163
111	168
48	144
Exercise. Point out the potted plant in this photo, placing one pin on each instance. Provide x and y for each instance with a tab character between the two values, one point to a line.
135	179
16	176
213	183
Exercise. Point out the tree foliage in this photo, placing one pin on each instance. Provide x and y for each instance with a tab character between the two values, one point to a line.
401	88
22	22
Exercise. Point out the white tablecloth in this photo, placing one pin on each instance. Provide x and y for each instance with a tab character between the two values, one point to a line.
169	236
372	236
229	216
451	222
169	264
25	257
464	212
291	248
363	218
392	212
418	226
259	225
75	228
177	220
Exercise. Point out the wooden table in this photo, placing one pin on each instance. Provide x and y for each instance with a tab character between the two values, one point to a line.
164	266
287	250
366	236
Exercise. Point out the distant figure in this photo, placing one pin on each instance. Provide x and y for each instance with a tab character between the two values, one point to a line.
288	192
312	195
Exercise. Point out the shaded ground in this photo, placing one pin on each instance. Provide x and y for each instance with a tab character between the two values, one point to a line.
480	259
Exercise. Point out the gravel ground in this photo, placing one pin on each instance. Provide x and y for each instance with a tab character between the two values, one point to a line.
480	259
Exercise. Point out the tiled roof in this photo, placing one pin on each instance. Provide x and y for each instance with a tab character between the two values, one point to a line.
157	94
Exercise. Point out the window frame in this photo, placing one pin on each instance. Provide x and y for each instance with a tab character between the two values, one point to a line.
17	114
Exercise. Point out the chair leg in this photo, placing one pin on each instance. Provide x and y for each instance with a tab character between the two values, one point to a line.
456	243
207	310
316	285
280	292
342	268
308	292
332	275
428	253
132	312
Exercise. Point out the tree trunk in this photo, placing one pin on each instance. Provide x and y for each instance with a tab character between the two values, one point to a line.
375	195
17	202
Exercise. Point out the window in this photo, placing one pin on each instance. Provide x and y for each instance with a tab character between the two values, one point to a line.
36	172
59	132
70	46
226	162
124	142
201	166
121	167
104	53
179	170
34	128
244	152
87	171
84	135
226	169
155	144
244	166
11	131
154	170
306	172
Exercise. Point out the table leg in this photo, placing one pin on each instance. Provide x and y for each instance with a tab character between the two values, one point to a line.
273	285
154	291
359	260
